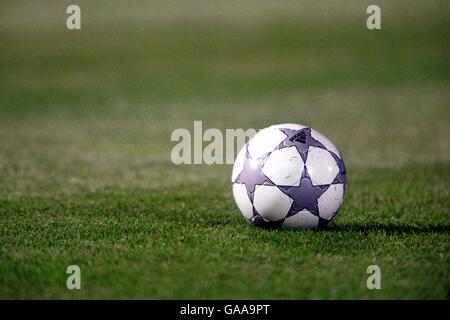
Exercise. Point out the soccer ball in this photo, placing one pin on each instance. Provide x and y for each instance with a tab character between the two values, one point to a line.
289	176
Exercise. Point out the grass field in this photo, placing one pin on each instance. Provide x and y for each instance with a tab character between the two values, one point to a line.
85	170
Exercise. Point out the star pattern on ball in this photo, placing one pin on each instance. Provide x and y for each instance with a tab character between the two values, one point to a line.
305	195
301	140
341	176
252	175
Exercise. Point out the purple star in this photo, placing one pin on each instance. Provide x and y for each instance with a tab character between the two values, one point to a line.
252	175
305	195
300	139
341	176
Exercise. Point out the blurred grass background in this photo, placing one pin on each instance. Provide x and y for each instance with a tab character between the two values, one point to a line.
86	118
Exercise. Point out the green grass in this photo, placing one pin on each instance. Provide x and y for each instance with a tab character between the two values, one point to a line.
183	242
85	171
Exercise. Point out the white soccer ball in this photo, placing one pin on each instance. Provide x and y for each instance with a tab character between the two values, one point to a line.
289	176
